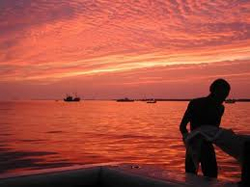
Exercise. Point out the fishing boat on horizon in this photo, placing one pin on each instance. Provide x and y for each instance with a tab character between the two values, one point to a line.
125	100
70	98
152	101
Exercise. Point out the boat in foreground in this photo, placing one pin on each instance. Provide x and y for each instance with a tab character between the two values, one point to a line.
109	175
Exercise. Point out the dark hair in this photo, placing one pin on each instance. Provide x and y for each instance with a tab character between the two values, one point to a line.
219	83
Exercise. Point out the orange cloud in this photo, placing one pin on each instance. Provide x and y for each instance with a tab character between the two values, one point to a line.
48	42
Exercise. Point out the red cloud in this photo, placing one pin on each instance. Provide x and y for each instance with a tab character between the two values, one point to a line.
45	42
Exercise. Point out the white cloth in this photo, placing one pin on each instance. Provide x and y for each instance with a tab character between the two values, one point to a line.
225	139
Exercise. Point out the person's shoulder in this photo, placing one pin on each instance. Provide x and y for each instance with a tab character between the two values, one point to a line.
193	103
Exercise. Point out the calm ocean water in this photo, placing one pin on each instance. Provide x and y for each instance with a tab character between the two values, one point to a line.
47	134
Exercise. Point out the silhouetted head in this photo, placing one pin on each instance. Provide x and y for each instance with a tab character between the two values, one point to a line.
219	90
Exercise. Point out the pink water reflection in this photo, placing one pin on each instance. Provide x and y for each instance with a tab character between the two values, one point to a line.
42	134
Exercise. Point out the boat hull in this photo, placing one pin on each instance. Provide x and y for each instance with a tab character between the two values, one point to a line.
71	100
111	176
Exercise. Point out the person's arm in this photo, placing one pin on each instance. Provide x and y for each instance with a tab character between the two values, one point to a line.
222	109
185	120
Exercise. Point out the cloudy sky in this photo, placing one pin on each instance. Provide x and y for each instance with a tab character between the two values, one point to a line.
123	48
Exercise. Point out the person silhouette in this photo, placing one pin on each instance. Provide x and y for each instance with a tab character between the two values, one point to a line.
205	111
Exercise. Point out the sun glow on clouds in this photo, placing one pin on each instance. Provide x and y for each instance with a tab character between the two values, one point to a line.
51	41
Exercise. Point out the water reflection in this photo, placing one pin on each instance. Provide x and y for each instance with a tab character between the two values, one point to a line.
12	160
41	134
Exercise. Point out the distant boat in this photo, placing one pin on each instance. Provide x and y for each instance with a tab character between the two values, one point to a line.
125	100
70	98
151	101
230	101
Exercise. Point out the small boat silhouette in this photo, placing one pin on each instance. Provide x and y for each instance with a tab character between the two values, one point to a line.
125	100
70	98
151	101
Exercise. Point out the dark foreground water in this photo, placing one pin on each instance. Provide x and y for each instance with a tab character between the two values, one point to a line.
47	134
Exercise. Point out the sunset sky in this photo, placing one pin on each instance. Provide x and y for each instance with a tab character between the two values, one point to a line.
123	48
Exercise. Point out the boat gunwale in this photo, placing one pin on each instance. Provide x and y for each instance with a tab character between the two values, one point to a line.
56	170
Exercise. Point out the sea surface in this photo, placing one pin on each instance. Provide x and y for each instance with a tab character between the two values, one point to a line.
48	134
